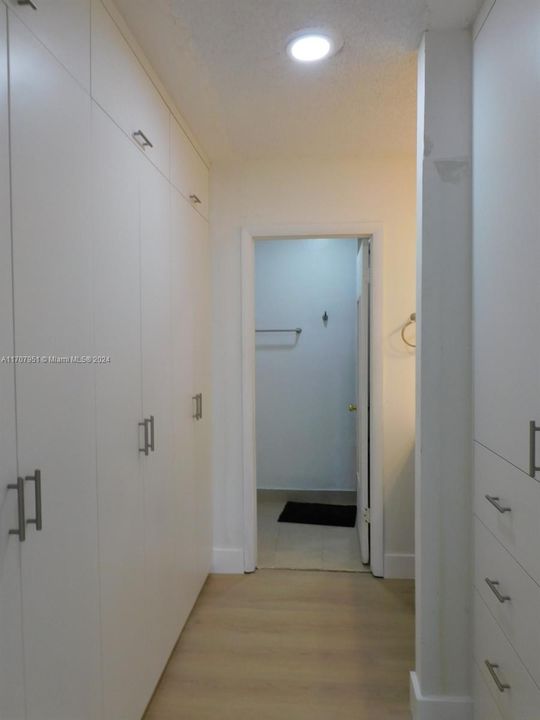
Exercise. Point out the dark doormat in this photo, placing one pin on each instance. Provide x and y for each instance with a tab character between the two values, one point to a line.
319	514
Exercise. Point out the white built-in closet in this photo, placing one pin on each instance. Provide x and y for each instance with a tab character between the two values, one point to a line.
103	252
507	363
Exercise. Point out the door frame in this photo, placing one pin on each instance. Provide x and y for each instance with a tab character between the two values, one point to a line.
352	230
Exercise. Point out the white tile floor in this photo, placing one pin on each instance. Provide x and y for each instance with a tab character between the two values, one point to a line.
305	547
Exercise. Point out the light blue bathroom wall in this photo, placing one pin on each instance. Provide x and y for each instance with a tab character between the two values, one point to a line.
305	433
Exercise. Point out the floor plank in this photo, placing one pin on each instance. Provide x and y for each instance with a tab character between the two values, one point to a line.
292	645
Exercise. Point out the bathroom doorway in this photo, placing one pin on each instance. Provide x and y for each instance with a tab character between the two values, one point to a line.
312	311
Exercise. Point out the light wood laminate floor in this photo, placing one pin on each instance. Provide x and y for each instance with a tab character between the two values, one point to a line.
292	645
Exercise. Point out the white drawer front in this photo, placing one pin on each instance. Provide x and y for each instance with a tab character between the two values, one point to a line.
189	174
123	89
519	616
521	701
517	528
63	26
485	707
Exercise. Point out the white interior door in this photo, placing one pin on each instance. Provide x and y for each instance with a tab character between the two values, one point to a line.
362	440
116	227
159	483
11	655
52	256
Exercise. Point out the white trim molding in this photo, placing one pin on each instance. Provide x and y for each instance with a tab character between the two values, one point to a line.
308	230
228	561
437	707
399	566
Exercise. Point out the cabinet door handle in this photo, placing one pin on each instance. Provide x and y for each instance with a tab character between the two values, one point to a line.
195	399
36	479
493	667
496	502
144	424
200	406
493	585
141	139
195	199
533	467
21	530
28	2
151	443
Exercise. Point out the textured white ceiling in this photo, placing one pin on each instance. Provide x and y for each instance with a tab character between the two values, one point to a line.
224	63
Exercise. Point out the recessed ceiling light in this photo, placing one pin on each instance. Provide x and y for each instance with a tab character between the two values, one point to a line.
310	47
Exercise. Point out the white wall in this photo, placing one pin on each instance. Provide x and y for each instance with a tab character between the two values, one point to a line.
297	190
306	437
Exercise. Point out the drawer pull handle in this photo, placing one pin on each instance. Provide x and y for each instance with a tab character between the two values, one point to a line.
144	425
533	467
493	667
141	139
493	585
27	2
496	502
195	199
152	444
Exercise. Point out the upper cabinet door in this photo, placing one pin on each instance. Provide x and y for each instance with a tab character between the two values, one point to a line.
116	272
189	174
52	258
11	657
124	90
507	230
63	26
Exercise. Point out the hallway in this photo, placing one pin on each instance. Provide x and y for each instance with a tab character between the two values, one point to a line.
292	645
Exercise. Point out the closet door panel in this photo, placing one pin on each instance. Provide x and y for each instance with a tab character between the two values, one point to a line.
50	126
203	382
63	26
11	655
119	410
184	389
124	90
189	174
159	483
506	230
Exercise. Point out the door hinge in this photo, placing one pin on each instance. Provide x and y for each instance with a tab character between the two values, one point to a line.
366	515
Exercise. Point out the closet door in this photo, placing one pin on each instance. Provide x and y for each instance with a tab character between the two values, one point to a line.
119	410
506	231
11	656
159	484
203	382
50	130
184	280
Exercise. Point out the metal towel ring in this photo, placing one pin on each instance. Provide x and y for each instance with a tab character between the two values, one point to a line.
410	321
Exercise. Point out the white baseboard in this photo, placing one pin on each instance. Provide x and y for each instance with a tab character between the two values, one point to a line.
228	561
433	707
399	566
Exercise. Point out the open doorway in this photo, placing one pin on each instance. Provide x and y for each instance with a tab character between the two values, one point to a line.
312	310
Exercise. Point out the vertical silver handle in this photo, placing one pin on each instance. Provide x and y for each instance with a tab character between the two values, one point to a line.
36	479
200	406
144	424
141	139
151	444
27	2
195	399
21	530
533	467
496	502
493	667
493	585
